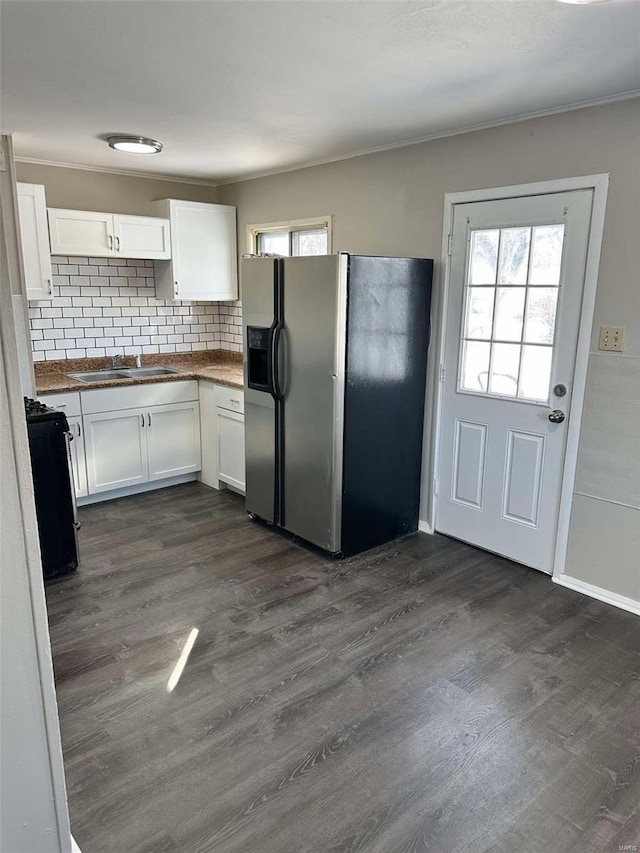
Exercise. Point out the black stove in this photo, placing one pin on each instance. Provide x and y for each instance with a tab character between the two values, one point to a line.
39	412
49	439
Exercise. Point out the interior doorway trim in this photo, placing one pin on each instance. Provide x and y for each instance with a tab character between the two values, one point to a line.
599	185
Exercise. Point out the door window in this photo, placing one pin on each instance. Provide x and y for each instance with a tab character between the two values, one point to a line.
511	296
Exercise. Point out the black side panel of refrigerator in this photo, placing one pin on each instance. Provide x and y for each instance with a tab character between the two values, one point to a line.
388	327
54	504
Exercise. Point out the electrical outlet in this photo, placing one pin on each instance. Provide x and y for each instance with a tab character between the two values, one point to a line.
611	338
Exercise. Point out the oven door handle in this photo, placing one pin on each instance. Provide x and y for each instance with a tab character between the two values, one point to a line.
68	439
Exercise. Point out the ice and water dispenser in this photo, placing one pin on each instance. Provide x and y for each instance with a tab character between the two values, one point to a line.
259	367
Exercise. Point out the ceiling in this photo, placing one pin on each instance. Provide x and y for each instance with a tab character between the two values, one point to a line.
238	88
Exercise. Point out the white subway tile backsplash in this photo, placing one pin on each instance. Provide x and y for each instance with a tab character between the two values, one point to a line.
97	301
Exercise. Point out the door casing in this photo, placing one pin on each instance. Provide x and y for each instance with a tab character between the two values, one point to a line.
599	184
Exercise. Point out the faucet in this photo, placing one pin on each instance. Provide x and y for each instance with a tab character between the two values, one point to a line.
138	361
115	361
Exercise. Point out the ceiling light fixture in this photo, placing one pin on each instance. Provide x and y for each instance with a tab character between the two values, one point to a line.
135	144
583	2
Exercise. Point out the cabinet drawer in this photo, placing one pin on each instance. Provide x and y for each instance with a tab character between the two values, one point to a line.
68	402
229	398
138	396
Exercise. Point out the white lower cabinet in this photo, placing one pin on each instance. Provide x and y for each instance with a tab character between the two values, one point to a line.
222	428
231	448
140	434
78	456
116	448
173	440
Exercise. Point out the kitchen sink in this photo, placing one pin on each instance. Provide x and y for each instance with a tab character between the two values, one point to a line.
98	375
141	372
123	373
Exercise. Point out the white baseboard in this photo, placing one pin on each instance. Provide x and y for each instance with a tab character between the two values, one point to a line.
136	490
74	846
423	527
598	592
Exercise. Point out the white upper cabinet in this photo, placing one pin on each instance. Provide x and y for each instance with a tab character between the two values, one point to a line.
203	263
142	237
32	207
108	235
81	232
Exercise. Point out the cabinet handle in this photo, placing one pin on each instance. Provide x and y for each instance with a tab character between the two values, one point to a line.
110	241
175	287
49	287
79	430
235	402
117	244
142	418
148	418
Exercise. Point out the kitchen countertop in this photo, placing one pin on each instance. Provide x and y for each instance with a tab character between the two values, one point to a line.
219	366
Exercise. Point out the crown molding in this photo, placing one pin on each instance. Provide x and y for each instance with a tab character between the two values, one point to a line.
154	176
472	128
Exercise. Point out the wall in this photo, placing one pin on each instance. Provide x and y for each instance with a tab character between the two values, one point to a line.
392	203
84	189
34	809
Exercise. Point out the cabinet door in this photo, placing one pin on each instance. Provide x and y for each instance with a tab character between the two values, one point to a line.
142	237
81	232
78	458
204	251
116	450
32	207
173	439
231	448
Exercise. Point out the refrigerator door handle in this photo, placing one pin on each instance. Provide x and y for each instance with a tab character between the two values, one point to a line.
275	362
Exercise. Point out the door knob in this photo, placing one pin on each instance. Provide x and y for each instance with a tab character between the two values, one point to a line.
556	416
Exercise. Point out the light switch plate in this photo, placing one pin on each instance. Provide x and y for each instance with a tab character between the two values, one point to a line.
611	338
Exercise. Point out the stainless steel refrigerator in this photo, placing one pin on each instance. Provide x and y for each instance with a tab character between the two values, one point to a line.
335	357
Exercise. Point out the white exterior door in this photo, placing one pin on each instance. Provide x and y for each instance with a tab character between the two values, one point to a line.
116	450
173	439
512	321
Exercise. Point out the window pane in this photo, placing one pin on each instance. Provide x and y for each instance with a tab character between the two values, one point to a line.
479	312
535	373
484	257
274	243
541	315
475	366
514	255
504	369
509	313
310	242
546	254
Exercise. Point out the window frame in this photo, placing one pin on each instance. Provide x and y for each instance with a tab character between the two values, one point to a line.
252	231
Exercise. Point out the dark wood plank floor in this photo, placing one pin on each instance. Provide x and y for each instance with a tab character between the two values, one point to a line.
425	696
